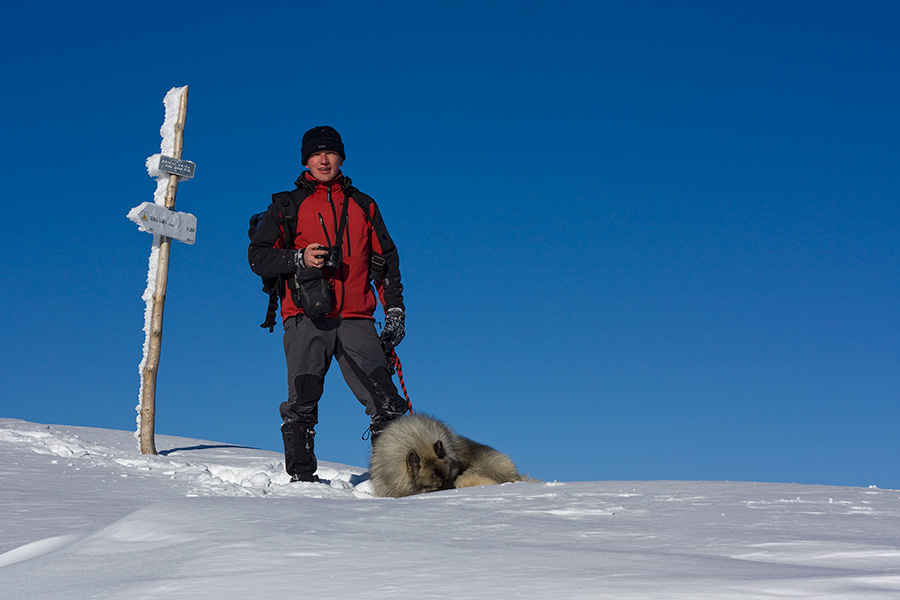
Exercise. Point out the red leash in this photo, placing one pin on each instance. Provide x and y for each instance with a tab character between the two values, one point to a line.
399	368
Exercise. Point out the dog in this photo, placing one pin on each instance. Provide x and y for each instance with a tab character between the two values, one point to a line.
417	454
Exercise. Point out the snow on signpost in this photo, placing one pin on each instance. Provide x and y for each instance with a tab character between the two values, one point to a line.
157	219
160	219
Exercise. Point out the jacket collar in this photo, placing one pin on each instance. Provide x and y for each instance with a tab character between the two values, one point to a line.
307	181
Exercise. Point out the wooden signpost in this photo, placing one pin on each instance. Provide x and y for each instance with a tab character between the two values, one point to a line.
165	224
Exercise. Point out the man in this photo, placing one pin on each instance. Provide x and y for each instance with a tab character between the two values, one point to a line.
327	304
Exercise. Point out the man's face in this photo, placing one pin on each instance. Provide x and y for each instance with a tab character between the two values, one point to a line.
324	166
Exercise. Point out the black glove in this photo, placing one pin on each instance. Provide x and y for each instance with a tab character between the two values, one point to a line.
394	328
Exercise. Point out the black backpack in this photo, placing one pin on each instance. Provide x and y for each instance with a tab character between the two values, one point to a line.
288	204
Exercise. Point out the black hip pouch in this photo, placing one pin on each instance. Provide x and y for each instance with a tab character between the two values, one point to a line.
311	292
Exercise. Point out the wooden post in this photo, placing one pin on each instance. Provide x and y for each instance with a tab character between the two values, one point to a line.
154	335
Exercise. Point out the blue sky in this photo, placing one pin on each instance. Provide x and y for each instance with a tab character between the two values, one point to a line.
639	240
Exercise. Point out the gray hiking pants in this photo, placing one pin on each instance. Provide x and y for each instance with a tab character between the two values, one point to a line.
309	346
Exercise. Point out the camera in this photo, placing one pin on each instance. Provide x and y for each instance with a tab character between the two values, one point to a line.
333	258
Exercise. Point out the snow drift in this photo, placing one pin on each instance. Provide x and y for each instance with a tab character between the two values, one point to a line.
86	516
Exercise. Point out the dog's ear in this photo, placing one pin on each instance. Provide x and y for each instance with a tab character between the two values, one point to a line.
439	449
413	462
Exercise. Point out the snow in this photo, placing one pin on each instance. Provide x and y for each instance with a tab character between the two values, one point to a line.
172	103
86	516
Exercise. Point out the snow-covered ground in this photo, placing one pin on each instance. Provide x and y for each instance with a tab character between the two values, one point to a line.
84	515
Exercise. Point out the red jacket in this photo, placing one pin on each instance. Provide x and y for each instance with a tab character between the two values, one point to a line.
317	222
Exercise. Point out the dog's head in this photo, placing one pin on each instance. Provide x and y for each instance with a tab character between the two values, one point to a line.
435	471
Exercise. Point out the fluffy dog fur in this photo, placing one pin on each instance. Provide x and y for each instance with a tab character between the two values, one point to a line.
418	454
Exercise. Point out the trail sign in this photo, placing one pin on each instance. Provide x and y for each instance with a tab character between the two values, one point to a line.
182	168
153	218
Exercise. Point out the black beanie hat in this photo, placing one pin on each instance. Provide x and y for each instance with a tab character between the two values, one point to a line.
320	139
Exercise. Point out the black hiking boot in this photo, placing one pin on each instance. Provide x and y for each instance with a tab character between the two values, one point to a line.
376	426
389	405
299	455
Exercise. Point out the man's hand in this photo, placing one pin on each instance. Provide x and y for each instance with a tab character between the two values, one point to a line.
314	256
394	328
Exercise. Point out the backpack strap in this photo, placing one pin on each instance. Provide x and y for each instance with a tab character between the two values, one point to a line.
270	321
287	205
365	202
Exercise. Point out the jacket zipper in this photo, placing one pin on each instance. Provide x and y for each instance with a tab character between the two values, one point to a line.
328	241
325	229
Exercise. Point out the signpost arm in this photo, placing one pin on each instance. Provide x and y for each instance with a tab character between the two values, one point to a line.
151	366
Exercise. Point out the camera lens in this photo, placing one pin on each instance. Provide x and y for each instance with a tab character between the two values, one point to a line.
333	260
